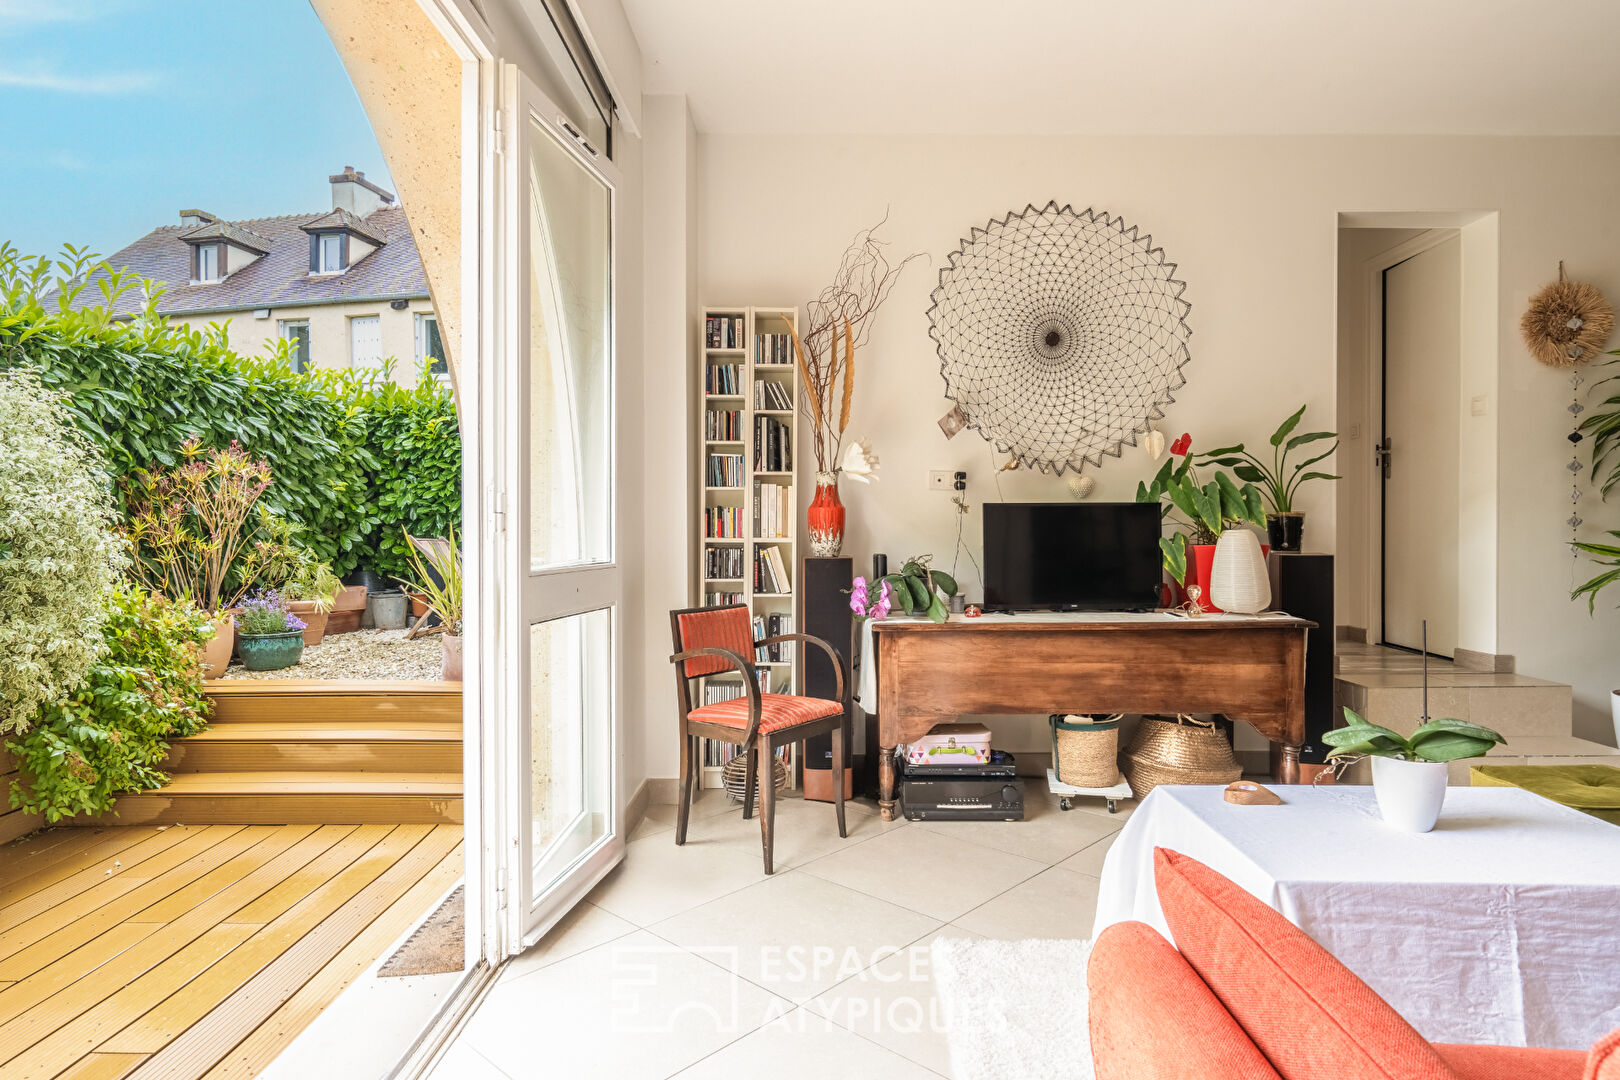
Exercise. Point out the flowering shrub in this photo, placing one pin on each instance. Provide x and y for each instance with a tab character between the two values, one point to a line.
266	613
110	734
58	553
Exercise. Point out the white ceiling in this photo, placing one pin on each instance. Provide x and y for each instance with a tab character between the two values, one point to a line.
1137	66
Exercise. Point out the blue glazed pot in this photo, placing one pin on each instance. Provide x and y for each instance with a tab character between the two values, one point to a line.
271	652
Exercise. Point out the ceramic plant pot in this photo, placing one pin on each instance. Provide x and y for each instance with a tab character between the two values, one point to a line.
216	652
1285	531
271	652
450	657
314	621
1238	580
1409	793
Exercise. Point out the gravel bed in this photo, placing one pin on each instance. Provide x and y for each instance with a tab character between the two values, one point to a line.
361	654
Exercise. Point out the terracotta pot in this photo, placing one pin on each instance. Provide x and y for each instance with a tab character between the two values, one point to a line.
314	621
826	517
450	657
216	652
350	598
419	605
342	622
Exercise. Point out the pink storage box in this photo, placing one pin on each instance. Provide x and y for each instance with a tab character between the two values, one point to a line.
951	744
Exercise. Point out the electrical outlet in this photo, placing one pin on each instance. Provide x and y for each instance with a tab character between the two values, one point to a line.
1478	405
941	479
1355	431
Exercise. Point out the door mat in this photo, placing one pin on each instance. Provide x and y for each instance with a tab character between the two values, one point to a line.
438	945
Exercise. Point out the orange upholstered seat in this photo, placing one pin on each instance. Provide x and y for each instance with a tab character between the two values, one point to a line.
1280	994
776	711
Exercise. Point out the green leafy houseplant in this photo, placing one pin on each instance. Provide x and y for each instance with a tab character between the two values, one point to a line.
110	734
1437	740
313	582
1278	484
1603	427
1208	510
922	591
59	555
1604	555
437	566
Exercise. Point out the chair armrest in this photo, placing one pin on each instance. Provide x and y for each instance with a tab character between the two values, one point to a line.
832	653
744	668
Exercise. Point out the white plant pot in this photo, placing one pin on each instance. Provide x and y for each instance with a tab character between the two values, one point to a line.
1238	581
1409	792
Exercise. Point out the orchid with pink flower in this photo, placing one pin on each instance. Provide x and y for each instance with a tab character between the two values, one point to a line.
860	600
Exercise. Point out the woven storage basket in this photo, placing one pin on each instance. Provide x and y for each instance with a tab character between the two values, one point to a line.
1085	752
735	776
1179	751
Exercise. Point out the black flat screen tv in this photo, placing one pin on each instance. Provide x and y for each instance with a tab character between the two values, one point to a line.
1071	556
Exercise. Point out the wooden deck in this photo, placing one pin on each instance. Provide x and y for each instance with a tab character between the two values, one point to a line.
196	951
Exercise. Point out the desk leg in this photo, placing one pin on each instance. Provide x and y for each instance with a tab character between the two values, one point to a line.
1285	762
886	782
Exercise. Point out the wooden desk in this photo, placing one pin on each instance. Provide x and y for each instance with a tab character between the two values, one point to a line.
1249	668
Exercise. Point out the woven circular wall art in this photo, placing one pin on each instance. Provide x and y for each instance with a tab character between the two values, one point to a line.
1061	335
1567	322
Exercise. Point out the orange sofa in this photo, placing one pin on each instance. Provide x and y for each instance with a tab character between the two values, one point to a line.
1249	996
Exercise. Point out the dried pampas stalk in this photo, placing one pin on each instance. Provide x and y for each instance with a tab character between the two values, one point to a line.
1567	323
849	378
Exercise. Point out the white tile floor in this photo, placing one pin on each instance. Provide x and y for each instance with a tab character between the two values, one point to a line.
690	962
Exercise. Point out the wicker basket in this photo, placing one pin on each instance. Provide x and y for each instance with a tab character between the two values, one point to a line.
1179	751
734	775
1085	752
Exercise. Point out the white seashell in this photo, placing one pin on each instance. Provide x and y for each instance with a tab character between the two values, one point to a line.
1081	486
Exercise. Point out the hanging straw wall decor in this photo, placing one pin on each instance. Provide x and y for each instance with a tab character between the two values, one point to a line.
1061	335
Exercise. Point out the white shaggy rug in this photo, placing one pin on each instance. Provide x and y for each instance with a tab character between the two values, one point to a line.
1015	1010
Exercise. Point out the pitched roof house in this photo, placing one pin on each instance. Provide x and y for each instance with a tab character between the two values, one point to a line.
345	285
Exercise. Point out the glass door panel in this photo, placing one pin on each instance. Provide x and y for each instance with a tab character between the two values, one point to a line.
570	723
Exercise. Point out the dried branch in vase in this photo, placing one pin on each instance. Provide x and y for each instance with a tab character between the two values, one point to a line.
836	323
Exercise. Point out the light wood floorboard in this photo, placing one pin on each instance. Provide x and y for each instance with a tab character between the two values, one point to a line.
207	950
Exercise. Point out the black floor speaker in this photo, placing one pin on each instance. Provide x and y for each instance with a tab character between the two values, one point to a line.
1302	585
825	583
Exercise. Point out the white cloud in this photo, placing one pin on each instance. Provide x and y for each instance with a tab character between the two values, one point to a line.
16	13
79	82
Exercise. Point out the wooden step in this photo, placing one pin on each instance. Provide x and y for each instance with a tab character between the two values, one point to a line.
293	798
321	701
398	746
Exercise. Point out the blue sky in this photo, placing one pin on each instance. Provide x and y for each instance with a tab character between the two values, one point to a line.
115	114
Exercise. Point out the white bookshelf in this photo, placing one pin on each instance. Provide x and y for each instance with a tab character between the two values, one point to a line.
766	501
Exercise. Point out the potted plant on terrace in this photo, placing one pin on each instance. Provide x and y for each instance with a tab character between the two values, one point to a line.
1278	485
311	593
437	564
272	637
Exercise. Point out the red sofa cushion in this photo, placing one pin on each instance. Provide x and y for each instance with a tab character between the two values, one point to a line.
1152	1018
1309	1015
1511	1062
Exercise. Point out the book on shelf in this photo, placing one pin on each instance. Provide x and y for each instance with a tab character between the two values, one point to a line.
721	599
722	379
772	625
773	513
723	564
722	425
723	332
770	572
725	470
773	349
723	522
773	449
769	394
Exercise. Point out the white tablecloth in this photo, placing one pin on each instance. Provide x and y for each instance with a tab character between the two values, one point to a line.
1500	926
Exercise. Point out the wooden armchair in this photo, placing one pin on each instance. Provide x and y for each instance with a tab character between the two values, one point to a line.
711	640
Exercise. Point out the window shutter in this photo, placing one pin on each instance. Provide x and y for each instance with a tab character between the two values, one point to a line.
314	252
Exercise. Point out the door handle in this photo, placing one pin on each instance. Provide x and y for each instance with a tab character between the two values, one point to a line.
1381	456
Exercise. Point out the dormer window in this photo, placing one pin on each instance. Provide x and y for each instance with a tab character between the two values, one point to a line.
332	258
207	261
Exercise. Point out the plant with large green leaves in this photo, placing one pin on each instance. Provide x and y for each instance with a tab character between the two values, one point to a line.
1278	483
1603	427
111	733
1437	740
921	590
1607	555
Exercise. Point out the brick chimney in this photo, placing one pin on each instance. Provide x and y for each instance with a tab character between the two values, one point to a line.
194	218
351	191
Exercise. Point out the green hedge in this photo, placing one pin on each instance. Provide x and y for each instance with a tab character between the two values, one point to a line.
354	459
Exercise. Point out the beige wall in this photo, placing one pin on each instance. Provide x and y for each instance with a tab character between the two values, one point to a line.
1253	224
328	332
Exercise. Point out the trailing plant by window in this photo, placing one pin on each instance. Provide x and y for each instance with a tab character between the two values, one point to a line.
355	458
58	553
111	733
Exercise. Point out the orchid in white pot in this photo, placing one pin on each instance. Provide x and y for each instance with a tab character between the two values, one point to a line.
1409	774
